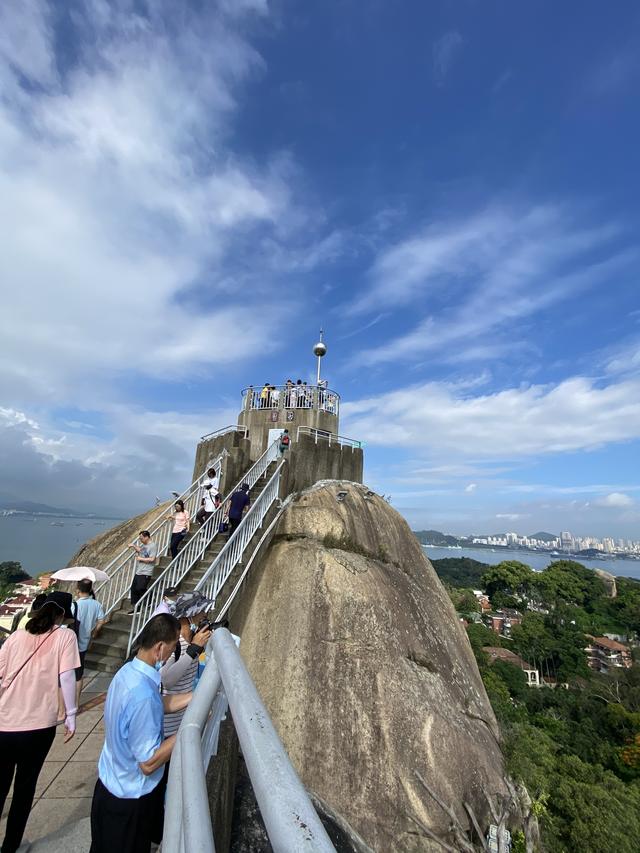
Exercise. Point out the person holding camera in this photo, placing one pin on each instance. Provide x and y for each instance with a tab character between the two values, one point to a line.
178	673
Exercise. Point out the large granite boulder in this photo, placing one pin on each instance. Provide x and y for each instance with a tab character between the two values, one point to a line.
99	551
367	671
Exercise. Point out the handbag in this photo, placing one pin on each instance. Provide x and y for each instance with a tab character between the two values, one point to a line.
4	687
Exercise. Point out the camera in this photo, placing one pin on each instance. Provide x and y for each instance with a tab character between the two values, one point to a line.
205	625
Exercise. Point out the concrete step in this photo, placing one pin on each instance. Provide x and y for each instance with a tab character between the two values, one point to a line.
103	663
111	650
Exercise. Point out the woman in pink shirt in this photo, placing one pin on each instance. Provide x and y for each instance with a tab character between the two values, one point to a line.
31	662
180	527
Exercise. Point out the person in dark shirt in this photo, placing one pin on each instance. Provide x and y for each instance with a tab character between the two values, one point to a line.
238	504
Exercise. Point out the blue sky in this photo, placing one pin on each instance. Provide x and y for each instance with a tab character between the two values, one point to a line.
188	191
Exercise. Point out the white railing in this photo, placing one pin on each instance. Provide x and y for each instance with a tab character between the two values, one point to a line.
122	569
224	431
194	550
256	552
331	438
291	822
291	397
216	575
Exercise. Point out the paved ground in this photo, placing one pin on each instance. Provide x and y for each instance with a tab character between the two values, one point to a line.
65	786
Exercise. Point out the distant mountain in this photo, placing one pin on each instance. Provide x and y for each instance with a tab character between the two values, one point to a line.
544	537
435	537
31	506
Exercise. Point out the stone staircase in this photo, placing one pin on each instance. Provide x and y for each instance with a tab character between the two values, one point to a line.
108	650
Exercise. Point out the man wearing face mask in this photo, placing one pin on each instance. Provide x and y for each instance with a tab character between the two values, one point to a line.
127	807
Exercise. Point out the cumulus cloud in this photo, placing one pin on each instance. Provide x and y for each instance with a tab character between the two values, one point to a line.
616	499
120	198
148	454
576	414
471	487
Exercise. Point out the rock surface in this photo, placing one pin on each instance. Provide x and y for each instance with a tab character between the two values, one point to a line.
99	551
609	581
367	672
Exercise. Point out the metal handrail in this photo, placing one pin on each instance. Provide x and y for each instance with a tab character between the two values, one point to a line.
223	612
292	397
194	550
224	431
216	575
342	440
122	568
290	819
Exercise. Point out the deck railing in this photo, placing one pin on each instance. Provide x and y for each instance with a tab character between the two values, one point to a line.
216	575
122	568
329	437
291	822
194	550
291	397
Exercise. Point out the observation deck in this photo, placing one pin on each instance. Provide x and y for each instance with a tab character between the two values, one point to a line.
270	409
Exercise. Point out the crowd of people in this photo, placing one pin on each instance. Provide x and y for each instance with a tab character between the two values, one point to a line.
298	395
144	707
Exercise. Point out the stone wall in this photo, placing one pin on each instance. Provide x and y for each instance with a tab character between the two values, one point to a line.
234	465
310	461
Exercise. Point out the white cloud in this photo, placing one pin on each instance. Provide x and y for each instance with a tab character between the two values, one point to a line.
479	275
511	516
471	487
514	423
445	53
616	499
120	198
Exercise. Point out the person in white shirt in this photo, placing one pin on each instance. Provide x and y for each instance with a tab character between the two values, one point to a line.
210	488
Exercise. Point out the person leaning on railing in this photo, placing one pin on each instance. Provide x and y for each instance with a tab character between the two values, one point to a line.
127	811
146	553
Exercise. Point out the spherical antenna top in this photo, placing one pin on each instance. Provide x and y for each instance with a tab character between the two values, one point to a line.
320	349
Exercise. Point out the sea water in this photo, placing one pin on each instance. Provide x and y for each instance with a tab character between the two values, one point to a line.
42	544
536	559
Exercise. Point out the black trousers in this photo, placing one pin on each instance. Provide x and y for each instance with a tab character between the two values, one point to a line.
202	515
234	523
22	753
139	587
125	826
176	539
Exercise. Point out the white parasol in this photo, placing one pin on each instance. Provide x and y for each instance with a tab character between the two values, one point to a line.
80	573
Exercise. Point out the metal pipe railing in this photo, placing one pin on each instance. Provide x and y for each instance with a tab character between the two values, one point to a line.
290	819
224	431
330	437
291	397
194	550
122	568
216	575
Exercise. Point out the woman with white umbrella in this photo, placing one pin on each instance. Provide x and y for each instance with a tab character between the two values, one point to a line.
89	612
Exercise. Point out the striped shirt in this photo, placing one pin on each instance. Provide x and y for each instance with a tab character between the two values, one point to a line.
188	669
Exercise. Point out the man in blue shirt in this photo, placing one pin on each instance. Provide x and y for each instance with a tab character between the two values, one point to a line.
90	616
238	503
127	808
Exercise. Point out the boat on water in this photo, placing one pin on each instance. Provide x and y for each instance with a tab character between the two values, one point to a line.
57	523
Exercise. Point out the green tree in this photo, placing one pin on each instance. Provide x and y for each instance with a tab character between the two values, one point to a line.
509	576
11	572
570	582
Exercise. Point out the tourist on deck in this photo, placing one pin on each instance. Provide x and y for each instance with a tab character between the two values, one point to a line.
147	551
285	441
275	397
180	670
238	505
127	810
31	662
90	616
298	392
264	395
181	524
287	393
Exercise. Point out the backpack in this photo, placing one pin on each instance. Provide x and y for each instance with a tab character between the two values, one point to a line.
284	439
